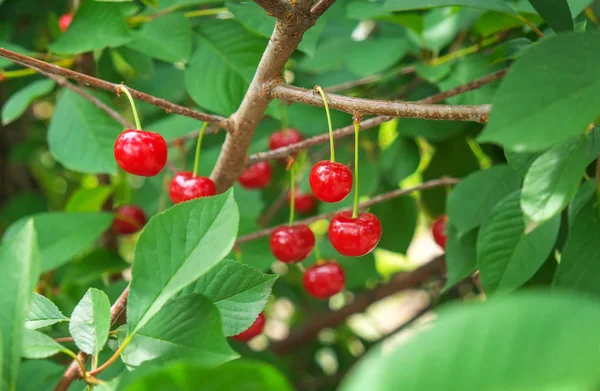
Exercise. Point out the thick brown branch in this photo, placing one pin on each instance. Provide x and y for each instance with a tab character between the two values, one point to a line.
321	6
36	64
363	106
61	81
363	205
276	8
72	371
400	282
284	40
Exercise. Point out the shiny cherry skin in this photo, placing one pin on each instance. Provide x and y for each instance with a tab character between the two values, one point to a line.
128	219
256	177
330	181
64	21
324	280
354	237
303	202
141	153
291	244
255	329
438	229
283	138
185	186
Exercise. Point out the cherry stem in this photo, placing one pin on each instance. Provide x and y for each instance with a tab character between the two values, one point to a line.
318	88
317	251
356	130
292	193
198	144
124	89
113	358
283	113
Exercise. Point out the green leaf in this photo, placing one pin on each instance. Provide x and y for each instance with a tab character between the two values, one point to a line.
375	55
93	266
187	328
554	177
546	97
61	236
88	200
521	161
520	342
164	4
81	136
556	13
223	65
507	256
461	255
90	322
19	268
399	160
95	25
239	292
509	50
583	195
472	200
168	38
42	313
176	248
398	218
39	345
406	5
174	126
16	105
468	69
578	268
36	375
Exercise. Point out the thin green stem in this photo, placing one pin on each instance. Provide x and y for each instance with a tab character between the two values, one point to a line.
124	89
113	358
317	251
283	113
77	360
318	88
206	12
198	144
356	131
292	193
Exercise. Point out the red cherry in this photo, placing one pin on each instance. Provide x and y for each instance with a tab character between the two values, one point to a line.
438	229
354	237
303	203
252	331
141	153
324	280
128	219
256	177
283	138
64	21
185	186
330	181
291	244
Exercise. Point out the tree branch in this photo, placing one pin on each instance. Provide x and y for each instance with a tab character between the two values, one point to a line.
470	86
284	40
39	65
277	8
399	282
368	80
321	6
363	205
72	371
363	106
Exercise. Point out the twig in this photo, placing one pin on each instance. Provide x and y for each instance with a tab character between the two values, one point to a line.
473	85
320	321
321	6
112	87
363	205
354	106
367	80
97	102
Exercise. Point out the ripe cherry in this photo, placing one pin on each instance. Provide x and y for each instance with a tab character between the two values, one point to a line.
330	181
185	186
303	202
354	237
438	229
64	21
324	280
291	244
128	219
283	138
256	177
141	153
255	329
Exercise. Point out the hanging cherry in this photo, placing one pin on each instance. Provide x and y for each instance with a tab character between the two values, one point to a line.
330	181
355	234
257	176
255	329
303	202
283	138
188	185
139	152
324	279
64	21
128	219
438	229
